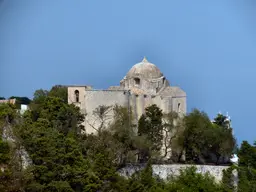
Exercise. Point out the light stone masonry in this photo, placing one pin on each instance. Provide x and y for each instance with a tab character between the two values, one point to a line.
165	171
143	85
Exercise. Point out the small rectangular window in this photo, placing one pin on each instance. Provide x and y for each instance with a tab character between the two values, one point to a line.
137	81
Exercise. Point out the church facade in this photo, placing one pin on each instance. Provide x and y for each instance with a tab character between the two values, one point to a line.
143	85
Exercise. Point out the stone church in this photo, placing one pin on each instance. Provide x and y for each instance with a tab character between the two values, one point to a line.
143	85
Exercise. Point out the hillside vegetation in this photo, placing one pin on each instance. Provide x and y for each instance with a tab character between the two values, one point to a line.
63	159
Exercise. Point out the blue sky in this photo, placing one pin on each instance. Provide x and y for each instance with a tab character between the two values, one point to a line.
205	47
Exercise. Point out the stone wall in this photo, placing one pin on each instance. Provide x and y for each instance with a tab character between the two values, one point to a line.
95	98
163	171
88	100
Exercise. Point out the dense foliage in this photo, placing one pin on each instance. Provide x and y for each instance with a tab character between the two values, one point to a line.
247	167
63	159
207	142
151	127
21	100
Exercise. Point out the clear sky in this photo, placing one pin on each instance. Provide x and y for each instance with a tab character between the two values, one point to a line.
208	48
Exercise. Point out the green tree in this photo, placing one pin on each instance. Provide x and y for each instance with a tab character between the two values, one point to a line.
7	113
150	125
52	140
65	160
59	91
5	173
247	155
56	157
144	181
222	121
221	142
247	167
124	133
64	117
191	181
194	140
11	175
21	100
107	175
39	96
205	141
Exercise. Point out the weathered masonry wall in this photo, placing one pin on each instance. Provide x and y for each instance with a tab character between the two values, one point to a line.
163	171
89	100
95	98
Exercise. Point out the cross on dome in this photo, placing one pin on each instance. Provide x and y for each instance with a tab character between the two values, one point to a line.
144	60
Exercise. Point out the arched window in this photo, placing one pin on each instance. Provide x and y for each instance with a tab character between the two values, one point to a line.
178	107
77	95
137	81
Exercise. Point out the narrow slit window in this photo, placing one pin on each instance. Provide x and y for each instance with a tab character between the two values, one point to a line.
178	107
77	95
163	80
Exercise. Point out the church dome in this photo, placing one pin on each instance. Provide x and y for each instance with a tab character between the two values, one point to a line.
144	69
